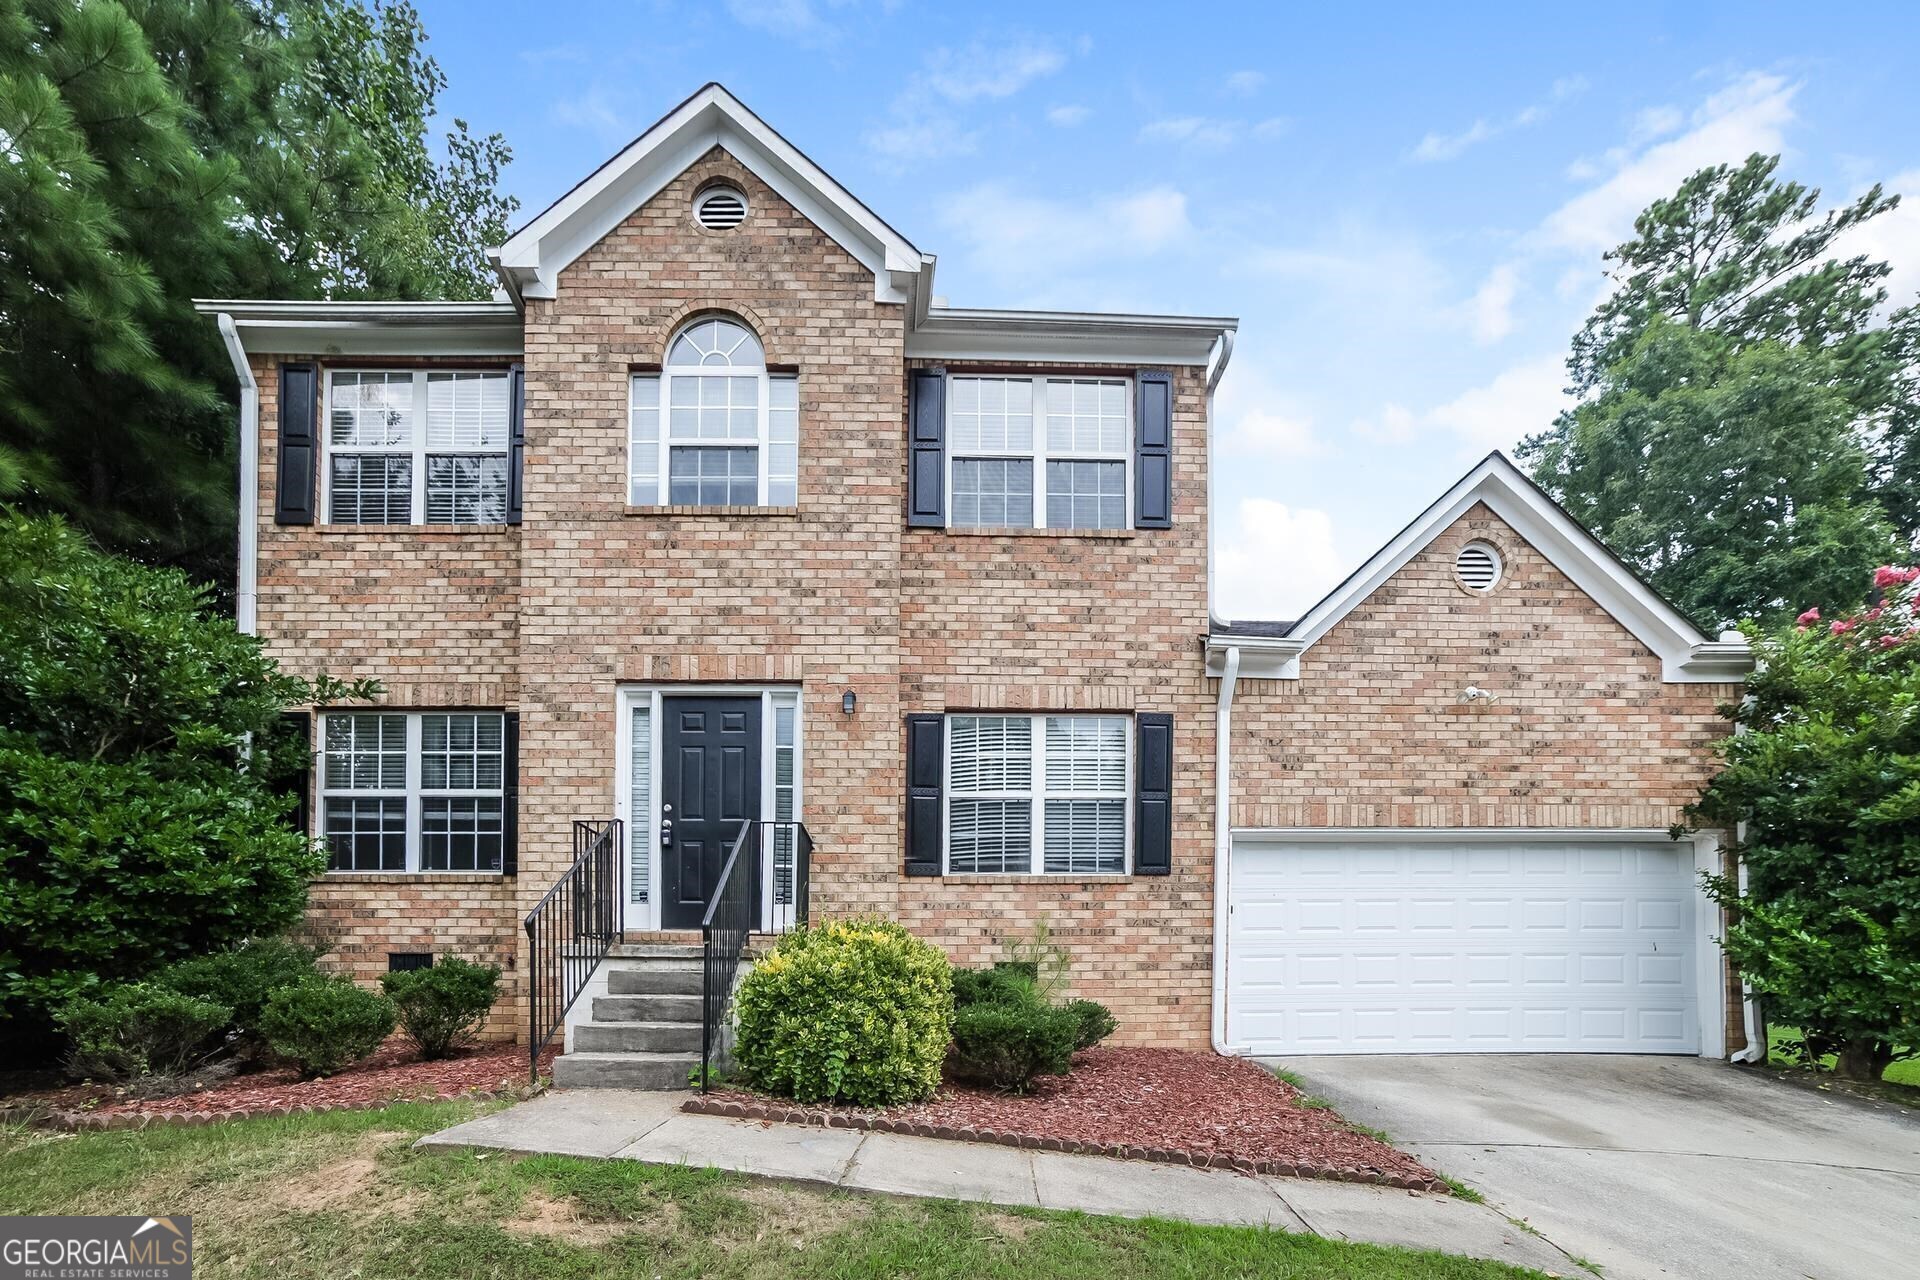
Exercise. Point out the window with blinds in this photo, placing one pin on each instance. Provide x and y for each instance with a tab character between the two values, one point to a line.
1047	453
419	447
419	791
1037	795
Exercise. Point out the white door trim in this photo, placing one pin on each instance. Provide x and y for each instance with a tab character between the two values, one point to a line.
1709	961
646	827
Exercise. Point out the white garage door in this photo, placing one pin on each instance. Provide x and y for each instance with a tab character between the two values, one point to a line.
1462	946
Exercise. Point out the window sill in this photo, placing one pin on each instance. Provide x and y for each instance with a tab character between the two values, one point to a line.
757	513
1030	879
1090	535
435	530
415	877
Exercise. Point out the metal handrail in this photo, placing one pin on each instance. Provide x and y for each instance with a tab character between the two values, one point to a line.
571	930
735	913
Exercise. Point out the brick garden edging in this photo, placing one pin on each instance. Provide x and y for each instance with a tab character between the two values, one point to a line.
737	1110
83	1121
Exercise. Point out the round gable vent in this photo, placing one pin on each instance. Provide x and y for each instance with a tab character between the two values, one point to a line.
720	209
1478	567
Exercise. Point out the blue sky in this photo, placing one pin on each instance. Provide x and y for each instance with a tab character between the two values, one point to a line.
1405	206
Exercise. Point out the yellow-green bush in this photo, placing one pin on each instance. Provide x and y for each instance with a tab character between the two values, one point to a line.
856	1011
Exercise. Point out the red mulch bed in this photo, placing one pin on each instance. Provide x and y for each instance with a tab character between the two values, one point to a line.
394	1073
1155	1104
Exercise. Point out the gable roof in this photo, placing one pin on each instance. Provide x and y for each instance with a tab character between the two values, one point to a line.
1686	655
533	257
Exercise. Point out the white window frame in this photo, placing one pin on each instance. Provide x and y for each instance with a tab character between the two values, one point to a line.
643	822
417	448
762	443
1037	793
1041	452
413	792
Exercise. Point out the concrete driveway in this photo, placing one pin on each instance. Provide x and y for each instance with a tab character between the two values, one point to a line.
1655	1167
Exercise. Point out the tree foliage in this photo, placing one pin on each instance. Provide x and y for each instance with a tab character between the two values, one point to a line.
1824	783
1766	371
142	757
154	151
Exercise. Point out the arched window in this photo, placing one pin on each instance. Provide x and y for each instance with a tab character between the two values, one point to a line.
713	428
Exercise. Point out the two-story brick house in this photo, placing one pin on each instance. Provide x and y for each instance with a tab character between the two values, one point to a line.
719	514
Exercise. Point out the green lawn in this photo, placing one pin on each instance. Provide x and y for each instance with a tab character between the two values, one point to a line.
342	1195
1906	1072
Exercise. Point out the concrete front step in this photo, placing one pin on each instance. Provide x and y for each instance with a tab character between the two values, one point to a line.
656	951
624	1070
647	1009
636	1037
655	980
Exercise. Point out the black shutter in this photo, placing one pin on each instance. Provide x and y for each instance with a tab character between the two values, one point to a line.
1153	796
927	451
516	439
299	451
926	737
510	795
1153	451
298	771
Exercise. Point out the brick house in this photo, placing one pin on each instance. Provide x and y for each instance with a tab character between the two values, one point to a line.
717	515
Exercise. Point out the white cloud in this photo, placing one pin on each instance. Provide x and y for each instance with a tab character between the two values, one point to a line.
1209	133
1490	310
1014	236
1260	420
1448	146
1749	115
1657	122
1244	84
922	138
1893	238
798	20
1067	115
989	71
1394	424
593	110
1276	560
1521	400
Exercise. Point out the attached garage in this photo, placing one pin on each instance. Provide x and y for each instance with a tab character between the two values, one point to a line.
1409	941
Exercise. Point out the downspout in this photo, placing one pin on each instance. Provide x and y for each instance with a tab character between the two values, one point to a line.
1213	380
1222	842
1756	1048
247	572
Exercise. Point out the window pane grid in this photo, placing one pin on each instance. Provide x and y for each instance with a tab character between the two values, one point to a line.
1037	794
1086	416
467	410
644	451
421	791
993	493
466	488
713	477
427	447
371	488
1070	473
990	837
714	393
370	410
1086	495
991	415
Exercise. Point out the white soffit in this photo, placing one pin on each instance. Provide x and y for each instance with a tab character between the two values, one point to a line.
533	257
275	327
962	334
1686	656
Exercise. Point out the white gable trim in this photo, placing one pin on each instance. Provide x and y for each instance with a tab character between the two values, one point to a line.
531	260
1686	656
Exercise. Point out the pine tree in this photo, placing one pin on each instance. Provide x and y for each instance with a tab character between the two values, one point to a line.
154	151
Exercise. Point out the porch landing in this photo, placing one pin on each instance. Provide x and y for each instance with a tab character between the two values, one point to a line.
650	1127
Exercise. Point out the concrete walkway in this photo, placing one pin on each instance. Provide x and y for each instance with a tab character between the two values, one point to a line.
619	1125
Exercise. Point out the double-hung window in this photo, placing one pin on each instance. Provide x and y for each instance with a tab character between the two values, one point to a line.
1038	453
1037	795
417	446
713	428
413	791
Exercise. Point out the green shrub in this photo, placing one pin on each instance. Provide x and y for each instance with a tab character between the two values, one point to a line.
1006	1043
854	1011
137	1029
323	1025
1093	1020
994	985
243	979
441	1007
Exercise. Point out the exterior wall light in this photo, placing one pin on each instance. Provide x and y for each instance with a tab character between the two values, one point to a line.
847	701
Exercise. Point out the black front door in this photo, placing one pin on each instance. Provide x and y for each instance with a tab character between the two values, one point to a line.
709	783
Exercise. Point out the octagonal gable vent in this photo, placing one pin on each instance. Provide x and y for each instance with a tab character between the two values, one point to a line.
720	209
1478	566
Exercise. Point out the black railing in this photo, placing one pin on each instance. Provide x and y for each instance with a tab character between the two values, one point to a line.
762	889
571	930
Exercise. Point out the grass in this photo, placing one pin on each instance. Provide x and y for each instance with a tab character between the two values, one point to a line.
1906	1072
342	1194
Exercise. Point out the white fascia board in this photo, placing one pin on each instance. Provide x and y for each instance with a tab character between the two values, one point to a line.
532	259
1438	835
950	333
1686	656
1261	657
272	327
